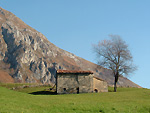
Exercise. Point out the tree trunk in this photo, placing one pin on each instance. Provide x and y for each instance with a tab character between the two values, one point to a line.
115	86
115	82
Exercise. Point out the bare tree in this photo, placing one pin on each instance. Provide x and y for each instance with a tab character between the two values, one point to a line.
115	55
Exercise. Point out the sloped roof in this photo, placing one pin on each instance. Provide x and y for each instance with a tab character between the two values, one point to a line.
74	72
98	78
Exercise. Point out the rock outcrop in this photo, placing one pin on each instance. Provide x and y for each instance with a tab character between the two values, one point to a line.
27	56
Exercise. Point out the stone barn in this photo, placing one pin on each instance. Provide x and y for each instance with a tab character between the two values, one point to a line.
99	85
74	82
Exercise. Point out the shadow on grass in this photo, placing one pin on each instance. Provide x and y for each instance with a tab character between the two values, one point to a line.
43	93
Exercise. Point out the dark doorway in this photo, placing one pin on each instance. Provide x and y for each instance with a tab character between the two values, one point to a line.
95	90
65	89
78	90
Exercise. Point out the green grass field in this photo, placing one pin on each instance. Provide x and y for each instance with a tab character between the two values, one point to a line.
126	100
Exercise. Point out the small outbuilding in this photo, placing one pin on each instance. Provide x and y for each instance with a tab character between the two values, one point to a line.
99	85
68	82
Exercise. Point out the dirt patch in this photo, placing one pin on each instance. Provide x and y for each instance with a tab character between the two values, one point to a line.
5	77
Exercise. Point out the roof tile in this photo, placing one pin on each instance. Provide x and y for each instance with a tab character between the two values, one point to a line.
74	72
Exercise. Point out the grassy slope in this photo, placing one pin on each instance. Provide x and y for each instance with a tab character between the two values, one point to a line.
126	100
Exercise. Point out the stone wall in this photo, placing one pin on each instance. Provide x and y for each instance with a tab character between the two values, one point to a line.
99	85
74	83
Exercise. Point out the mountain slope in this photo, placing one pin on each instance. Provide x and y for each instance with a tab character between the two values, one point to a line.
27	56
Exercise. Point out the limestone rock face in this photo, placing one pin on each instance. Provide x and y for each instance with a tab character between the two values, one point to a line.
27	56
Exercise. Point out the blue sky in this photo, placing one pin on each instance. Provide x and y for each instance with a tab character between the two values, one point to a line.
74	25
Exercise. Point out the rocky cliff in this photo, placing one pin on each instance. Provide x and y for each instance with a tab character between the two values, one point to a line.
27	56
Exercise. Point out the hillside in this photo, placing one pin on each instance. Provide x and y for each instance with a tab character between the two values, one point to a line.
27	56
126	100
